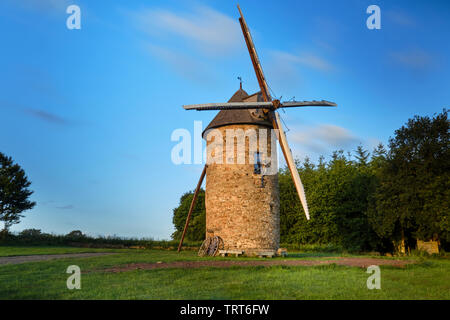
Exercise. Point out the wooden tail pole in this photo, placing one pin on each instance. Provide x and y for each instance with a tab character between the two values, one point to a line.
194	199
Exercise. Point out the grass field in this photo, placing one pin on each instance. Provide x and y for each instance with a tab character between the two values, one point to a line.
25	251
429	278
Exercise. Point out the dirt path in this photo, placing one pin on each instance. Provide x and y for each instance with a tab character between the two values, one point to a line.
351	261
44	257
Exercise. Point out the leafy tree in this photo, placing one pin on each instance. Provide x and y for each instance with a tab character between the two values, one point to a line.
75	234
31	233
197	223
14	192
412	199
292	216
363	201
337	194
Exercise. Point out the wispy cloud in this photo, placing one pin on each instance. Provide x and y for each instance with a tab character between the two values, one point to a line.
322	138
306	59
282	73
283	68
212	31
400	18
67	207
181	63
326	45
46	116
335	136
413	59
189	42
50	6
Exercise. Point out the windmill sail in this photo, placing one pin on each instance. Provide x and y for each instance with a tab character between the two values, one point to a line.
273	115
229	106
269	116
257	105
323	103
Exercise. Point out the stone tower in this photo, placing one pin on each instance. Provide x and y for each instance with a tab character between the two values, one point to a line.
242	199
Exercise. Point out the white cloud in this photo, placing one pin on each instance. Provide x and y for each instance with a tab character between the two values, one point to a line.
413	59
212	31
334	135
400	18
188	42
283	68
321	140
282	73
50	6
305	59
181	63
325	45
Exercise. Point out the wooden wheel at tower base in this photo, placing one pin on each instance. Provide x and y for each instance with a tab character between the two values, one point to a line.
211	246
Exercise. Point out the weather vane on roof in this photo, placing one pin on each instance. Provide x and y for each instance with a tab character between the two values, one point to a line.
240	82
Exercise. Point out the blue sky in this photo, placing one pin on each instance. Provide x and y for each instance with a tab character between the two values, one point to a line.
89	113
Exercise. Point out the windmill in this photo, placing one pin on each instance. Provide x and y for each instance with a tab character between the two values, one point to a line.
240	211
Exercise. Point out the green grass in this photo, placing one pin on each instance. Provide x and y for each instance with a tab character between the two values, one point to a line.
7	251
428	279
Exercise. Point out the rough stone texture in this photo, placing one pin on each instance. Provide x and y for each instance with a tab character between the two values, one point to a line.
244	214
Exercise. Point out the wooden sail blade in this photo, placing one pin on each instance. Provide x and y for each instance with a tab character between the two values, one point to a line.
322	103
191	208
254	57
275	118
290	162
229	106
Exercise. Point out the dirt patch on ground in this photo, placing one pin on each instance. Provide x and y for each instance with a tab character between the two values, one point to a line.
43	257
351	261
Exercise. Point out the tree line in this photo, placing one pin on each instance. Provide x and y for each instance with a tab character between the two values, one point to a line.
363	200
360	200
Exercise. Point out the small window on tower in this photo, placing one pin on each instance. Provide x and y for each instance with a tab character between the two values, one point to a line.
257	163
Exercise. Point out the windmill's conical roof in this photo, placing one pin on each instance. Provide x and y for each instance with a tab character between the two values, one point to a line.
238	96
240	116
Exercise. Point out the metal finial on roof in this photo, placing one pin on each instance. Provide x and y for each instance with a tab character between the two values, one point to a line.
240	82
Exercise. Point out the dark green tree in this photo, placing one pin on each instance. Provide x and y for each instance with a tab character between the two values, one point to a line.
337	194
412	199
363	201
31	233
14	192
293	226
75	234
378	160
197	223
362	156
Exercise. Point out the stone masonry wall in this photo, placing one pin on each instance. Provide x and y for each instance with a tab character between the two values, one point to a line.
238	209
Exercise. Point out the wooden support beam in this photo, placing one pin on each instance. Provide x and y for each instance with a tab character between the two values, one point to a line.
194	199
